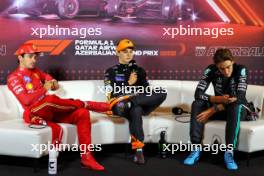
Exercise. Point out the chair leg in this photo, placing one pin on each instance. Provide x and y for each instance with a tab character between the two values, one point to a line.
126	150
248	159
36	165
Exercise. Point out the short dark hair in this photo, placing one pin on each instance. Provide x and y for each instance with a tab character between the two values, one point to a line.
222	54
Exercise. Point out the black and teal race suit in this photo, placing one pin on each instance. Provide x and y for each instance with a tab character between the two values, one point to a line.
234	86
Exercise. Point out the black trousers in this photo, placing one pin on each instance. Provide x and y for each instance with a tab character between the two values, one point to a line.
233	114
140	105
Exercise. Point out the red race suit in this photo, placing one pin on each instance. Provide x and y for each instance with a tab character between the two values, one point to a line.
27	86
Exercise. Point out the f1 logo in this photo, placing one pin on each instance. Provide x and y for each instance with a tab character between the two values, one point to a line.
54	47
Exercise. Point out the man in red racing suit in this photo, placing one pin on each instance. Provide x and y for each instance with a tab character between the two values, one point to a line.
30	86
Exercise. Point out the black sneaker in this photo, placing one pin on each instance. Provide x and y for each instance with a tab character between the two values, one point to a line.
139	157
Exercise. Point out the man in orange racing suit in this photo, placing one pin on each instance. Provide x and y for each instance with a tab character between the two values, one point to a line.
30	86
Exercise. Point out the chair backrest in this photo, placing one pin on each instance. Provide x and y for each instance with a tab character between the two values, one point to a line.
9	106
84	90
180	93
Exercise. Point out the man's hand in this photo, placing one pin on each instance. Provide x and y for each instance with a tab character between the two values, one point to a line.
48	85
51	85
232	100
55	85
132	78
205	115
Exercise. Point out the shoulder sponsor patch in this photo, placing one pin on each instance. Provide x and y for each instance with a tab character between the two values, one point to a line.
243	72
119	78
36	75
207	71
27	79
18	90
107	82
14	82
29	86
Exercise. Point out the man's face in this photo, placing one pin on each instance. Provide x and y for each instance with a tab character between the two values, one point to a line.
28	61
125	56
226	68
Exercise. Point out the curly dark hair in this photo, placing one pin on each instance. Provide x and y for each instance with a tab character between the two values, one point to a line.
222	54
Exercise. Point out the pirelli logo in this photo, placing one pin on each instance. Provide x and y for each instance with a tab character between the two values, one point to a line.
54	47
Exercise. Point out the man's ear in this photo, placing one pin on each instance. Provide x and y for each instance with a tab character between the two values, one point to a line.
118	53
19	58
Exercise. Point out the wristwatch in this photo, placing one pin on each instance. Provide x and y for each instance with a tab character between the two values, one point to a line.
216	108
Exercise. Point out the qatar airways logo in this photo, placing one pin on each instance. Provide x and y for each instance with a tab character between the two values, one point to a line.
2	50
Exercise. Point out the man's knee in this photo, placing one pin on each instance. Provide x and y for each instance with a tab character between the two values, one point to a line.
236	110
51	98
163	96
198	103
197	107
137	109
82	113
122	108
160	95
233	105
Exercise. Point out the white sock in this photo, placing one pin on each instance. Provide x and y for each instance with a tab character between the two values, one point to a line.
139	150
229	151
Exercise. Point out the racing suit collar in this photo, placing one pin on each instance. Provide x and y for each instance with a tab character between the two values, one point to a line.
122	65
25	70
